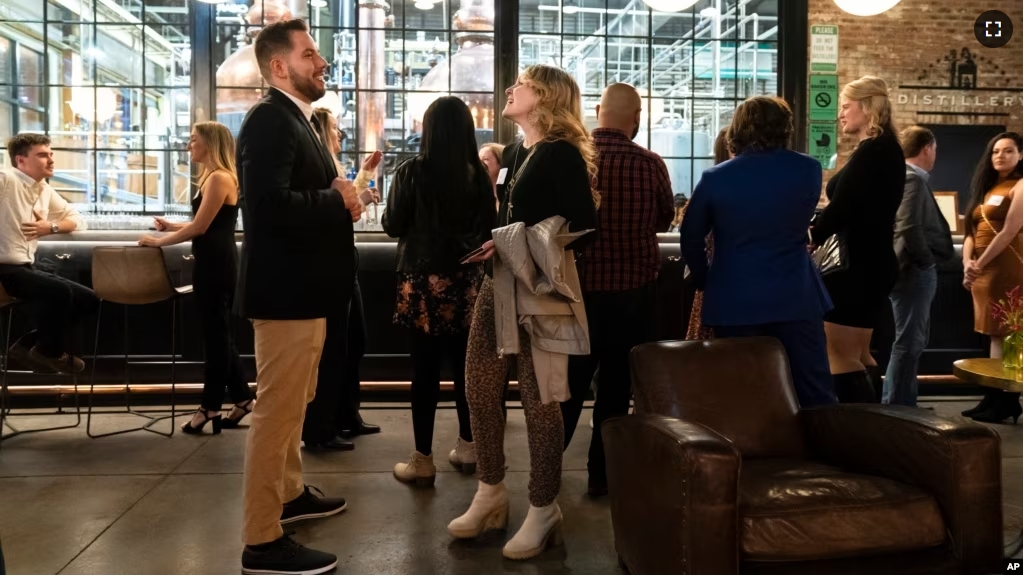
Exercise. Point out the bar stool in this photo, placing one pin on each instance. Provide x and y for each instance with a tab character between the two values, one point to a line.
7	306
133	276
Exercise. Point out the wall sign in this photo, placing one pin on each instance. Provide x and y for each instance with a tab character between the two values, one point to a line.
824	97
824	48
953	81
821	141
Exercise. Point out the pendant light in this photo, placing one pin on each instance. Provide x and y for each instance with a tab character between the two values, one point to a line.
865	7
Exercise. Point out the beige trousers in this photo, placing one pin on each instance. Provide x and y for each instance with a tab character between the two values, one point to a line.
287	356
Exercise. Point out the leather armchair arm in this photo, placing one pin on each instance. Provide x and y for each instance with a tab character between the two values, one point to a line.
957	462
674	495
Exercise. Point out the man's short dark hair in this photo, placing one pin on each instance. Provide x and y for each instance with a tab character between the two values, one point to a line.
20	145
914	139
761	123
275	39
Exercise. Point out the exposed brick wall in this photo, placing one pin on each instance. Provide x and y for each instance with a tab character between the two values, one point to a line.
907	46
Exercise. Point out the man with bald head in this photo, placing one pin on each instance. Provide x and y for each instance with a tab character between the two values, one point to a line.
619	270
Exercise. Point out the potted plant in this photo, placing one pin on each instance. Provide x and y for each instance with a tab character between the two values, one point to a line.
1008	313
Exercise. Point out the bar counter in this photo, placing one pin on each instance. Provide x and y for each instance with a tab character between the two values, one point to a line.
147	340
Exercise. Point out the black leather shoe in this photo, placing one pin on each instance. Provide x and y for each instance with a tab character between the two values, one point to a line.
19	353
286	556
308	506
333	445
359	428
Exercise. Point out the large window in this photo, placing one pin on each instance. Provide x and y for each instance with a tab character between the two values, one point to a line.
691	67
108	81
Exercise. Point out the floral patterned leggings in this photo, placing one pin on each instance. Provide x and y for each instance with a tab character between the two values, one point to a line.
485	385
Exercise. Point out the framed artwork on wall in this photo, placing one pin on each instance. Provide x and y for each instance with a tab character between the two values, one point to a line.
949	205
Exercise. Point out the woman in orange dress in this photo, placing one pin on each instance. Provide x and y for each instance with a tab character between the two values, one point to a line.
696	330
992	254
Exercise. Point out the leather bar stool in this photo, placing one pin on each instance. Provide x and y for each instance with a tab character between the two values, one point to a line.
7	307
133	276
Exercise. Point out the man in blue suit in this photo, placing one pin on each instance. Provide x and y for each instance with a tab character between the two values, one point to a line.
762	281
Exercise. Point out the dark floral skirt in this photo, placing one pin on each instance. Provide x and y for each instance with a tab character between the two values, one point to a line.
438	304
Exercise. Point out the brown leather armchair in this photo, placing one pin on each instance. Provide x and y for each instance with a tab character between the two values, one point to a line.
720	472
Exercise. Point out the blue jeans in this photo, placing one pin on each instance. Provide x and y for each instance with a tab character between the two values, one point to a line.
911	307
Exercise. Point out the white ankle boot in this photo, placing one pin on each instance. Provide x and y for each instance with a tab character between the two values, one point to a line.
419	470
463	457
489	511
542	526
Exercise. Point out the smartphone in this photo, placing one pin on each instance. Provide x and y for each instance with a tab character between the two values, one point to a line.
471	255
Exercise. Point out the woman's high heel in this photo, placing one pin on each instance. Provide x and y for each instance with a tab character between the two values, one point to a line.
1005	406
187	427
246	407
984	405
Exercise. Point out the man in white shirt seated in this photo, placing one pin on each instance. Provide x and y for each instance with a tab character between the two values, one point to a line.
29	210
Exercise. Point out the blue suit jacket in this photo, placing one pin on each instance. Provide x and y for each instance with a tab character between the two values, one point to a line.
759	206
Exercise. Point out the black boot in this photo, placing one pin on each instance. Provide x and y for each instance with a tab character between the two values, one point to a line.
854	388
1006	405
985	404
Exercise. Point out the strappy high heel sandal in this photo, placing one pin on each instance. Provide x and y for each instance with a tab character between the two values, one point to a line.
246	408
187	427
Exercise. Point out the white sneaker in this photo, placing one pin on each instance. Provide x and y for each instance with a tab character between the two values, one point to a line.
489	511
463	457
543	526
419	470
591	423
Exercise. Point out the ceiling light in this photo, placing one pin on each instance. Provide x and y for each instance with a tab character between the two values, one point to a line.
865	7
424	4
569	7
318	3
709	12
669	5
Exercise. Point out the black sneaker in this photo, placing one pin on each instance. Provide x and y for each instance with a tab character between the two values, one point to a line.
308	506
286	556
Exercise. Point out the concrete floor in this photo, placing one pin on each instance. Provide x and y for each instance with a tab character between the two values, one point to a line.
144	504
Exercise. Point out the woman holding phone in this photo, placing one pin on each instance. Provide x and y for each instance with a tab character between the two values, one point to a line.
440	207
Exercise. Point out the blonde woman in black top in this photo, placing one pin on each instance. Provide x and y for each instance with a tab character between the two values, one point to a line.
557	180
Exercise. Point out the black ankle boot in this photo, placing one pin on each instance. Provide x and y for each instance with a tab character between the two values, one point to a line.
985	404
1006	405
854	388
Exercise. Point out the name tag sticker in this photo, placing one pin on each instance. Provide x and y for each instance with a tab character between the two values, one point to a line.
995	201
501	175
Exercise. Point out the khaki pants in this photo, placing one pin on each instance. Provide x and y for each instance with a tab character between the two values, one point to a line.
287	356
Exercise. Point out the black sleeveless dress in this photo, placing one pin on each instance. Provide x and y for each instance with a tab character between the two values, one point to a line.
214	275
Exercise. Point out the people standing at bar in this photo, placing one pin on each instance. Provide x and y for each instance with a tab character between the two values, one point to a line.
992	254
440	208
863	199
29	210
490	155
214	273
757	206
296	271
695	329
619	270
551	172
922	242
333	414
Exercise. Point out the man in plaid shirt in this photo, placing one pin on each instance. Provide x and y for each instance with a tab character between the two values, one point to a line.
619	271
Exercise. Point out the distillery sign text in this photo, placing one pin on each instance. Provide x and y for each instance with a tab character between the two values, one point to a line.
958	100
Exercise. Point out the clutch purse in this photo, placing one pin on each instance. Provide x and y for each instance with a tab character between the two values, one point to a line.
832	256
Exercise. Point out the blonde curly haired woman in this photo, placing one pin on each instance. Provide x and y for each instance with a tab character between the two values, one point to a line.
551	172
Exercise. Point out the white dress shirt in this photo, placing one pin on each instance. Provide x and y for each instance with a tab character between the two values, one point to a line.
306	109
22	199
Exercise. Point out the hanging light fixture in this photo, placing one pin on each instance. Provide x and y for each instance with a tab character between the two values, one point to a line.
569	7
669	5
424	4
865	7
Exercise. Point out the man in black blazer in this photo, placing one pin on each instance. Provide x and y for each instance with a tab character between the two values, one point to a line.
296	270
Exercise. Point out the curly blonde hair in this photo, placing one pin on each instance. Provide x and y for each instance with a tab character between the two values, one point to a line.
873	95
559	114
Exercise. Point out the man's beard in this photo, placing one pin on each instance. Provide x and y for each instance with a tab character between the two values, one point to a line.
636	130
304	85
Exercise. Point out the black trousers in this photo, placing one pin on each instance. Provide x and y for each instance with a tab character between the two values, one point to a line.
618	321
337	375
428	353
56	305
223	367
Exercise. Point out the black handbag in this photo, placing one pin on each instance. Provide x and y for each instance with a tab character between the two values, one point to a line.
832	256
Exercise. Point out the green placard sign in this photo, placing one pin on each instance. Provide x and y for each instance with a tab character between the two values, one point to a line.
821	141
823	97
824	48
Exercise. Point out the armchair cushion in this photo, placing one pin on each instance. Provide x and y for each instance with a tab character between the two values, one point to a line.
803	510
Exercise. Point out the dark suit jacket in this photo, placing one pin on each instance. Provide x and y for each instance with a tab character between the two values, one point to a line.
297	253
922	237
758	205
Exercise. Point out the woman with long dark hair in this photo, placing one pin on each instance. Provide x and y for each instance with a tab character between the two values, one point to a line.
212	232
992	254
440	207
863	199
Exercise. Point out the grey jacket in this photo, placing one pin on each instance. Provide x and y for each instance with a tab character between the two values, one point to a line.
536	285
922	238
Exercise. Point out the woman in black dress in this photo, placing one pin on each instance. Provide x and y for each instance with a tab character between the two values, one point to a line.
863	198
440	207
212	231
